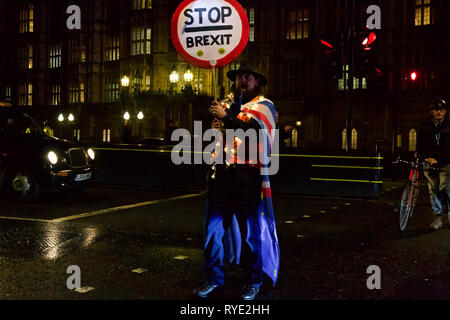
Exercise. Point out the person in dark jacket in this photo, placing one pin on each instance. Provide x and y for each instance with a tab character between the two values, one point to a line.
434	147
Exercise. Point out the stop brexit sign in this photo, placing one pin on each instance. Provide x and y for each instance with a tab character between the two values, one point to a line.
209	33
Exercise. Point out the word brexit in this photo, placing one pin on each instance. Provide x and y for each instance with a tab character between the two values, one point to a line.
203	20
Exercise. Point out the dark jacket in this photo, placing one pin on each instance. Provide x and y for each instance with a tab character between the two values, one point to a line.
238	182
434	141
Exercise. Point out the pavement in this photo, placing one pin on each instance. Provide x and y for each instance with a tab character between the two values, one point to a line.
146	245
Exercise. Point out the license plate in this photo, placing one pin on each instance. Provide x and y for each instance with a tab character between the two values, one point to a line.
83	176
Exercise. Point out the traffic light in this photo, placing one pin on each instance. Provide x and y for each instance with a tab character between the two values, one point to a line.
331	53
413	76
365	55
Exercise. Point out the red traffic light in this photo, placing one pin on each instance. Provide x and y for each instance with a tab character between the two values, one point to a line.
327	44
370	39
413	76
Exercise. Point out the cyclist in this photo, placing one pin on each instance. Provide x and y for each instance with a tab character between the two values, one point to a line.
433	145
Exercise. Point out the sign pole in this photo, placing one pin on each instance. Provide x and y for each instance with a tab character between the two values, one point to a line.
213	64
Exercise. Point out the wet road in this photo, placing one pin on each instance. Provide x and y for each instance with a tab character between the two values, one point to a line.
326	247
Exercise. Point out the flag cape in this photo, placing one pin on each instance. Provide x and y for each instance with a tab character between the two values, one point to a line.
263	111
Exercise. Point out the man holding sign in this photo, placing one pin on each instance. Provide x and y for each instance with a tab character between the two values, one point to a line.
239	206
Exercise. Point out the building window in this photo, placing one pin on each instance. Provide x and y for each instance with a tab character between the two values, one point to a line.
298	24
55	56
111	90
358	83
412	146
8	93
399	141
354	141
147	85
76	94
106	135
26	94
77	134
77	52
55	95
423	13
26	57
251	21
141	41
112	48
142	4
26	19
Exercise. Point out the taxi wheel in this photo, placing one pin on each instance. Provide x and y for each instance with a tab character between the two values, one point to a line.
22	185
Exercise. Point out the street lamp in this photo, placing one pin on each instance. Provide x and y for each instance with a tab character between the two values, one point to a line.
174	77
125	81
60	117
71	117
126	116
188	76
140	115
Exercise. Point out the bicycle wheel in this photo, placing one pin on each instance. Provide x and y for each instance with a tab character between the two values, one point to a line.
407	204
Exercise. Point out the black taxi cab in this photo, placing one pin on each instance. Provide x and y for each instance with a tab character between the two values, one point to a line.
31	161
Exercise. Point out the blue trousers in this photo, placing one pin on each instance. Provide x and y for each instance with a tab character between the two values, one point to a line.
439	189
218	216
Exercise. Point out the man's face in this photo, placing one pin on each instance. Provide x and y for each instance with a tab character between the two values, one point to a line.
246	81
438	114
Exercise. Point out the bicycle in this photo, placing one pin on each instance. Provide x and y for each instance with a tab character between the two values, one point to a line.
411	190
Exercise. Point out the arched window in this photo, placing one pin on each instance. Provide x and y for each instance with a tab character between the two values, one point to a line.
354	139
412	146
344	139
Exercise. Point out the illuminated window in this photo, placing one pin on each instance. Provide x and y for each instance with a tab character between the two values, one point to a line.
56	95
354	141
141	39
26	94
147	85
112	48
423	13
76	94
298	24
111	90
26	19
344	139
358	83
106	135
26	57
55	56
142	4
251	21
77	134
412	146
8	93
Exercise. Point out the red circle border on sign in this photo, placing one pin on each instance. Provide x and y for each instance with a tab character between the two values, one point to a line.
202	63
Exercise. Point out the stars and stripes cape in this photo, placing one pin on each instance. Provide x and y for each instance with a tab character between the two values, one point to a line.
263	111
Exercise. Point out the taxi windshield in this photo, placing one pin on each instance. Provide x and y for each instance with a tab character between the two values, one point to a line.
20	124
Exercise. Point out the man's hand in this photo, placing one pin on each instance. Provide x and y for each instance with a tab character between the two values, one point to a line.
431	160
217	110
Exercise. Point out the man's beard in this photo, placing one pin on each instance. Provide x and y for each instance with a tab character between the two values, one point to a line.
247	95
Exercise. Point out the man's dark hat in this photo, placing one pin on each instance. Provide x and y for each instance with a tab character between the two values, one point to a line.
438	104
247	67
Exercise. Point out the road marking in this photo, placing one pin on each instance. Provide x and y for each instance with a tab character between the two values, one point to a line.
24	219
103	211
139	270
125	207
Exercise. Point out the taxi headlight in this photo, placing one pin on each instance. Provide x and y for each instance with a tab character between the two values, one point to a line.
91	154
52	157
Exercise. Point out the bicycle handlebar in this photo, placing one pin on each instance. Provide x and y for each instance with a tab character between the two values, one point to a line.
424	164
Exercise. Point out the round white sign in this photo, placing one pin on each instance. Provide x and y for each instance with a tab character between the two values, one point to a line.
210	33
